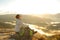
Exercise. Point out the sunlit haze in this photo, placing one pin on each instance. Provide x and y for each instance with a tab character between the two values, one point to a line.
30	6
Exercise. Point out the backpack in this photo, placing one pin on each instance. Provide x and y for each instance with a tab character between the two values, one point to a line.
26	31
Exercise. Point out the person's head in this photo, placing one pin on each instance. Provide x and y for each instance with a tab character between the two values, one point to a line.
18	16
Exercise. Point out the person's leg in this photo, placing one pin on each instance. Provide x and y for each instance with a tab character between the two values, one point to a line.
18	36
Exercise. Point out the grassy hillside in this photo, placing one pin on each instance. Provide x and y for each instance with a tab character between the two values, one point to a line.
41	21
25	18
31	19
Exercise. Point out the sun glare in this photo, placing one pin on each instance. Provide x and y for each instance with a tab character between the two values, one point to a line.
32	7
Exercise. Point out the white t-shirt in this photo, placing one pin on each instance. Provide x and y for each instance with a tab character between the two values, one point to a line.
19	24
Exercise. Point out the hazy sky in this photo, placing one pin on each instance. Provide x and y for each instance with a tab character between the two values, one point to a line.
30	6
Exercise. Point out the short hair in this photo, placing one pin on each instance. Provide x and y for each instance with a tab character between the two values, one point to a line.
17	16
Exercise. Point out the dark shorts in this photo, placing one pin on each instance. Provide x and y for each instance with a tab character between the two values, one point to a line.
17	32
